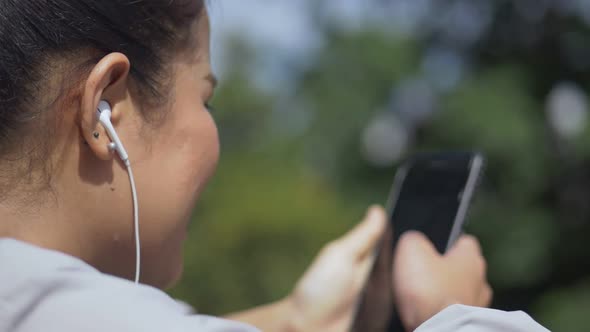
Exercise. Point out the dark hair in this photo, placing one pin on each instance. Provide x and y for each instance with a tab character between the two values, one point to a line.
42	38
36	33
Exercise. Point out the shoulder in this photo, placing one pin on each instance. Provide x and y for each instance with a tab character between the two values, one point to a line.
462	318
48	291
108	304
111	304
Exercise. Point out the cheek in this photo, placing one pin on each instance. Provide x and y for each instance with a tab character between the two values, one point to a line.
198	151
180	164
192	152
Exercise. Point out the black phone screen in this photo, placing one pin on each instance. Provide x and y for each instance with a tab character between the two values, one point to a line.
428	199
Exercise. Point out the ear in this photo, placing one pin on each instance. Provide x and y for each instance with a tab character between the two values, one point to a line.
107	81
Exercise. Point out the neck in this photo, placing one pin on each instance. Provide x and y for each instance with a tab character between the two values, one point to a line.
41	223
70	215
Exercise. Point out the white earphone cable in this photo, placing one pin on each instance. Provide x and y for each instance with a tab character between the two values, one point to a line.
135	223
103	112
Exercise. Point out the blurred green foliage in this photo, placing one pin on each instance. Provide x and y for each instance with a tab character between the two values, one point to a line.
278	198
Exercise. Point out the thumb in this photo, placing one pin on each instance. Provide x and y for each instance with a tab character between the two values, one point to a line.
413	244
363	239
467	253
466	245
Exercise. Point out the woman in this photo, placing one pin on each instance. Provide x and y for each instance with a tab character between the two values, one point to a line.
67	249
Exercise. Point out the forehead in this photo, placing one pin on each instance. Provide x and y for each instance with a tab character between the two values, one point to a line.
199	36
194	45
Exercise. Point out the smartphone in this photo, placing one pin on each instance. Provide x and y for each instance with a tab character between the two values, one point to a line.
431	193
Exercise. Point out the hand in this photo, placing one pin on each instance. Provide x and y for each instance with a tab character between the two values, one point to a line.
325	298
424	282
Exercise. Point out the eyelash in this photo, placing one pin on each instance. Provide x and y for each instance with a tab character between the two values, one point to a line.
209	108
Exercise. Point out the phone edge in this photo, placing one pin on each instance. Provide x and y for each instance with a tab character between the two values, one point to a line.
477	164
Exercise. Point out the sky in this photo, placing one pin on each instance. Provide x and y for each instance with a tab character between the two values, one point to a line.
288	27
278	26
284	33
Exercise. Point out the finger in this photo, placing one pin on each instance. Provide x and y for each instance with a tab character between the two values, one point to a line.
414	252
467	256
486	296
413	243
362	240
363	271
466	245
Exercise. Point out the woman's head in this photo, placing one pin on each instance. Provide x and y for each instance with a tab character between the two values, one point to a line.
60	186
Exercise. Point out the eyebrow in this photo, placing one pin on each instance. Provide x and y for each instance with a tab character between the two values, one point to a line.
212	79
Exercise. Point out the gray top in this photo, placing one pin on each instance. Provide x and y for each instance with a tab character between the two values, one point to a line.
459	318
44	290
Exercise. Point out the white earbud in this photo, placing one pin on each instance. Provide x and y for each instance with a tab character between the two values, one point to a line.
103	112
